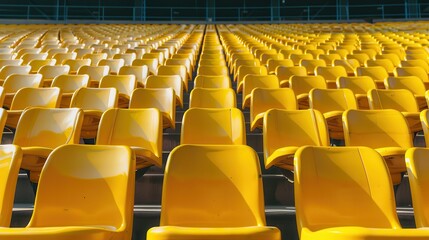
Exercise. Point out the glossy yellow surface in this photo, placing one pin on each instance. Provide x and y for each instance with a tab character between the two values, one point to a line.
194	176
345	193
10	162
213	126
377	73
386	131
212	98
203	81
251	82
399	99
284	73
272	64
75	64
311	64
263	100
152	64
411	83
164	99
330	74
140	72
93	204
93	102
301	86
68	85
413	71
173	81
8	70
284	131
213	70
95	73
244	70
360	86
51	72
417	167
141	129
424	118
41	130
125	84
178	70
349	64
36	64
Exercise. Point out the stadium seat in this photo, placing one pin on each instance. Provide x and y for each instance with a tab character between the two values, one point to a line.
359	86
203	81
68	85
125	84
41	130
165	81
164	99
178	70
357	201
284	131
386	131
152	64
413	71
140	72
311	64
8	70
113	64
95	73
213	126
377	73
75	64
284	74
252	81
301	86
141	129
15	82
50	72
411	83
197	173
212	70
332	103
93	102
75	204
330	74
244	70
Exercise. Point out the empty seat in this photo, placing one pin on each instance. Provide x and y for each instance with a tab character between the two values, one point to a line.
285	73
213	70
213	126
51	72
152	64
413	71
252	81
140	72
399	99
125	84
264	99
330	74
411	83
301	86
377	73
93	102
178	70
244	70
114	64
75	204
284	131
95	73
357	201
386	131
172	81
203	81
15	82
197	173
360	86
68	85
41	130
212	98
8	70
141	129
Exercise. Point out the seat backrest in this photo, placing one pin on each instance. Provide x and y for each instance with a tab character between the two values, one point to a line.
99	99
411	83
114	64
173	70
285	73
385	63
424	118
376	129
36	97
10	162
95	72
358	85
124	83
203	81
132	127
272	64
244	70
152	64
172	81
6	71
377	73
213	126
417	168
331	72
196	173
402	100
353	189
252	81
164	99
284	128
213	70
303	84
412	71
50	72
15	82
101	195
327	100
212	98
70	83
311	64
140	72
48	127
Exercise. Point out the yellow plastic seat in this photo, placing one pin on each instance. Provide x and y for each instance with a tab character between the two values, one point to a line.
359	86
51	72
284	131
213	70
26	58
417	168
285	73
68	85
385	63
96	203
163	99
244	70
32	97
301	86
251	82
211	62
213	126
349	64
330	74
114	64
159	56
36	64
10	62
311	64
352	199
399	99
272	64
413	71
416	63
332	103
362	58
152	64
11	157
141	129
386	131
329	58
265	57
184	62
178	70
172	81
62	57
197	173
203	81
8	70
41	130
125	84
212	98
377	73
15	82
140	72
127	57
264	99
297	58
95	57
75	64
93	102
95	73
411	83
391	56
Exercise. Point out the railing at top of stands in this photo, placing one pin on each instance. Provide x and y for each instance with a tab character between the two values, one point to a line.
66	13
